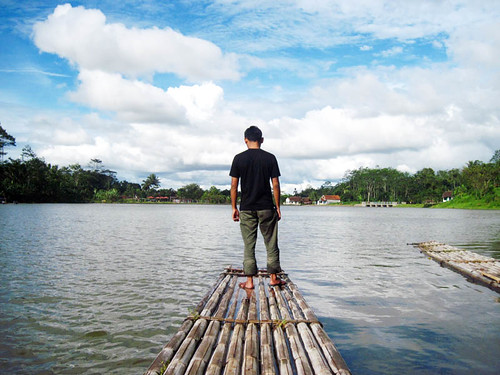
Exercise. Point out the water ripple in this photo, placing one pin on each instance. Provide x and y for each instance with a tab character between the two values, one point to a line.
92	289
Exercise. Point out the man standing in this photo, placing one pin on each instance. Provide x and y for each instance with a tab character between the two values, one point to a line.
256	168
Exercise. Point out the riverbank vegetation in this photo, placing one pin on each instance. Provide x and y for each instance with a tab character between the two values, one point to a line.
476	185
32	180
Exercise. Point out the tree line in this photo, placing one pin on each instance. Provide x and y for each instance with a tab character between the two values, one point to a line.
30	179
477	179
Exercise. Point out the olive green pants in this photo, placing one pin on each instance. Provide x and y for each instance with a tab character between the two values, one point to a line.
267	222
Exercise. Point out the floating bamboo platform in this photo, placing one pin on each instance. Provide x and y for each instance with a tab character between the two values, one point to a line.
476	268
267	330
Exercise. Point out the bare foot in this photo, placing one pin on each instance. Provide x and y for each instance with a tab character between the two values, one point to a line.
246	285
276	281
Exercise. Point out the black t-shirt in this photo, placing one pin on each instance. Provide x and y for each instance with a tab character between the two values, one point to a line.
255	168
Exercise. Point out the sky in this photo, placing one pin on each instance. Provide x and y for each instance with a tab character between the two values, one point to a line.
168	87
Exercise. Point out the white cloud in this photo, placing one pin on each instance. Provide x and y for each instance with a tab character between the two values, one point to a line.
477	46
85	38
438	115
338	132
174	152
408	119
397	50
200	101
403	20
131	100
437	44
136	101
268	26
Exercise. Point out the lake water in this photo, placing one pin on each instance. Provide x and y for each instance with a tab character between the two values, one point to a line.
94	289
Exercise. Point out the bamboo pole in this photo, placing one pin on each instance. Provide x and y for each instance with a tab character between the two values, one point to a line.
268	366
468	264
330	350
263	304
266	339
282	354
208	346
251	351
313	350
251	348
183	355
332	355
168	351
235	350
202	355
225	302
203	352
217	360
306	310
299	354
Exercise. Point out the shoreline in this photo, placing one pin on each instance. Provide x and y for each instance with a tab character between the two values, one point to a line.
470	205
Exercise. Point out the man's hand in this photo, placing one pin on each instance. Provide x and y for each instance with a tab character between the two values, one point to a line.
234	197
277	195
278	211
236	214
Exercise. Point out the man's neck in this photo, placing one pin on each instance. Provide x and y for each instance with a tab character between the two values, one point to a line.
253	145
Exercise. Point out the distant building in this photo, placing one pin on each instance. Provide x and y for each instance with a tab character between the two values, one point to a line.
447	196
298	201
294	201
307	201
327	199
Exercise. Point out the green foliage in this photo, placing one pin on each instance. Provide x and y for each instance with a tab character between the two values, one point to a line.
31	180
482	177
214	195
192	192
380	184
282	323
163	368
105	196
194	315
6	140
477	180
469	201
495	159
130	189
151	183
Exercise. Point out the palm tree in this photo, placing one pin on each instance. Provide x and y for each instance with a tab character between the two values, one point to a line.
152	182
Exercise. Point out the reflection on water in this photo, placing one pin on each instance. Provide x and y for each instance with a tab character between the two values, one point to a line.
94	289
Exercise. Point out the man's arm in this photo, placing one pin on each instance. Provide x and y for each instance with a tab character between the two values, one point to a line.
234	197
277	195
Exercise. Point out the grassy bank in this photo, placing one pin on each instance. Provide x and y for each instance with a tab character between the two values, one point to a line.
463	201
467	201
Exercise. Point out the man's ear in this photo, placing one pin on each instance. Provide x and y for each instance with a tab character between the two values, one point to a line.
262	140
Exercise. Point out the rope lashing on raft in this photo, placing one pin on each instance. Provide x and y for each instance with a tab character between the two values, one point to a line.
283	322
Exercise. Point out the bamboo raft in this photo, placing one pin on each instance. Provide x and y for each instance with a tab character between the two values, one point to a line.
268	330
475	267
